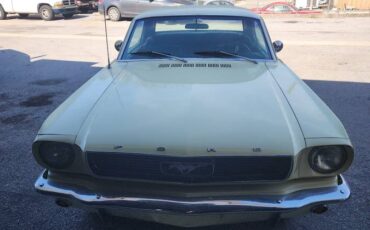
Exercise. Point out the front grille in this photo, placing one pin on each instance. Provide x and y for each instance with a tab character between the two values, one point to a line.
68	2
190	169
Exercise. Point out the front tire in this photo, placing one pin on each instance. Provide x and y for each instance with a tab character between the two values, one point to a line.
68	16
46	13
2	13
114	14
23	15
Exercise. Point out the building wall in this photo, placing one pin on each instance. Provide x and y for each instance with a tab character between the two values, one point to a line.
352	4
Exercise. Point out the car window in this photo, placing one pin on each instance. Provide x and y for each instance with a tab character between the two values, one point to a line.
187	36
270	8
282	8
219	3
136	36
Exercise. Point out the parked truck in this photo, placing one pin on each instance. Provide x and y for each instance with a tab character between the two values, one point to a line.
47	9
85	6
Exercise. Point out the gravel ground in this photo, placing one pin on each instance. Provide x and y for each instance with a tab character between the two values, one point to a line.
42	63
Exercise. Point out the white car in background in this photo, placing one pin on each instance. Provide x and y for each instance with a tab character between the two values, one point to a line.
47	9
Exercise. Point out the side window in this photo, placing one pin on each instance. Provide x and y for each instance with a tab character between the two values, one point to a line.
136	36
287	9
282	8
271	8
278	8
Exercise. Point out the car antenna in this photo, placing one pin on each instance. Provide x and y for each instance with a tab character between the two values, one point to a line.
106	35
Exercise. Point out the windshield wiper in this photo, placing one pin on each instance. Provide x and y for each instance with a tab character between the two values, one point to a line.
150	52
224	53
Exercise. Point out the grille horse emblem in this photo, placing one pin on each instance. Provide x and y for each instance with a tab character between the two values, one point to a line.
184	168
199	169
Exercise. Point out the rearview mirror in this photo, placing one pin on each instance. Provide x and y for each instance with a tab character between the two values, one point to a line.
278	46
118	45
196	26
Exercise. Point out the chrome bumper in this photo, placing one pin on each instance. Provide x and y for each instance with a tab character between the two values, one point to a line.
197	211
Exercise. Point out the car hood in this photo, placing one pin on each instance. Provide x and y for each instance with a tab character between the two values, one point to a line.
203	108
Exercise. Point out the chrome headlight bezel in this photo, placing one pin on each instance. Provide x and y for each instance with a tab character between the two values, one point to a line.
56	155
328	159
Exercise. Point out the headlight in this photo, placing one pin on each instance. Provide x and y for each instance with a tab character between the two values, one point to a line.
57	155
327	159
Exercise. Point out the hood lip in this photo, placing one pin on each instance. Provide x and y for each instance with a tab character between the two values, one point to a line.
59	121
329	137
288	102
114	76
286	79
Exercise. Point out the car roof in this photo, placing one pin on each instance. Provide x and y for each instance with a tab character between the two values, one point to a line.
279	3
200	11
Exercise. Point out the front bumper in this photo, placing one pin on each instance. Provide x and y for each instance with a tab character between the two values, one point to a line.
194	212
66	10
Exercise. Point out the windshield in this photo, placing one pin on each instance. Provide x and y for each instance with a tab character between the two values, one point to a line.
197	37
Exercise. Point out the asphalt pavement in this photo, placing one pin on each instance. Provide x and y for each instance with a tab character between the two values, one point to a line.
42	63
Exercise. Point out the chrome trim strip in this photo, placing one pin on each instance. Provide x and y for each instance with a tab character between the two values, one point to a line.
268	40
273	203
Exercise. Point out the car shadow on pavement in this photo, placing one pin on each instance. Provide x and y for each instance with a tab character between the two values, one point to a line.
32	87
37	17
119	223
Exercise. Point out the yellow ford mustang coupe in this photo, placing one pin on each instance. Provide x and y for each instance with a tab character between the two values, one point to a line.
196	123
